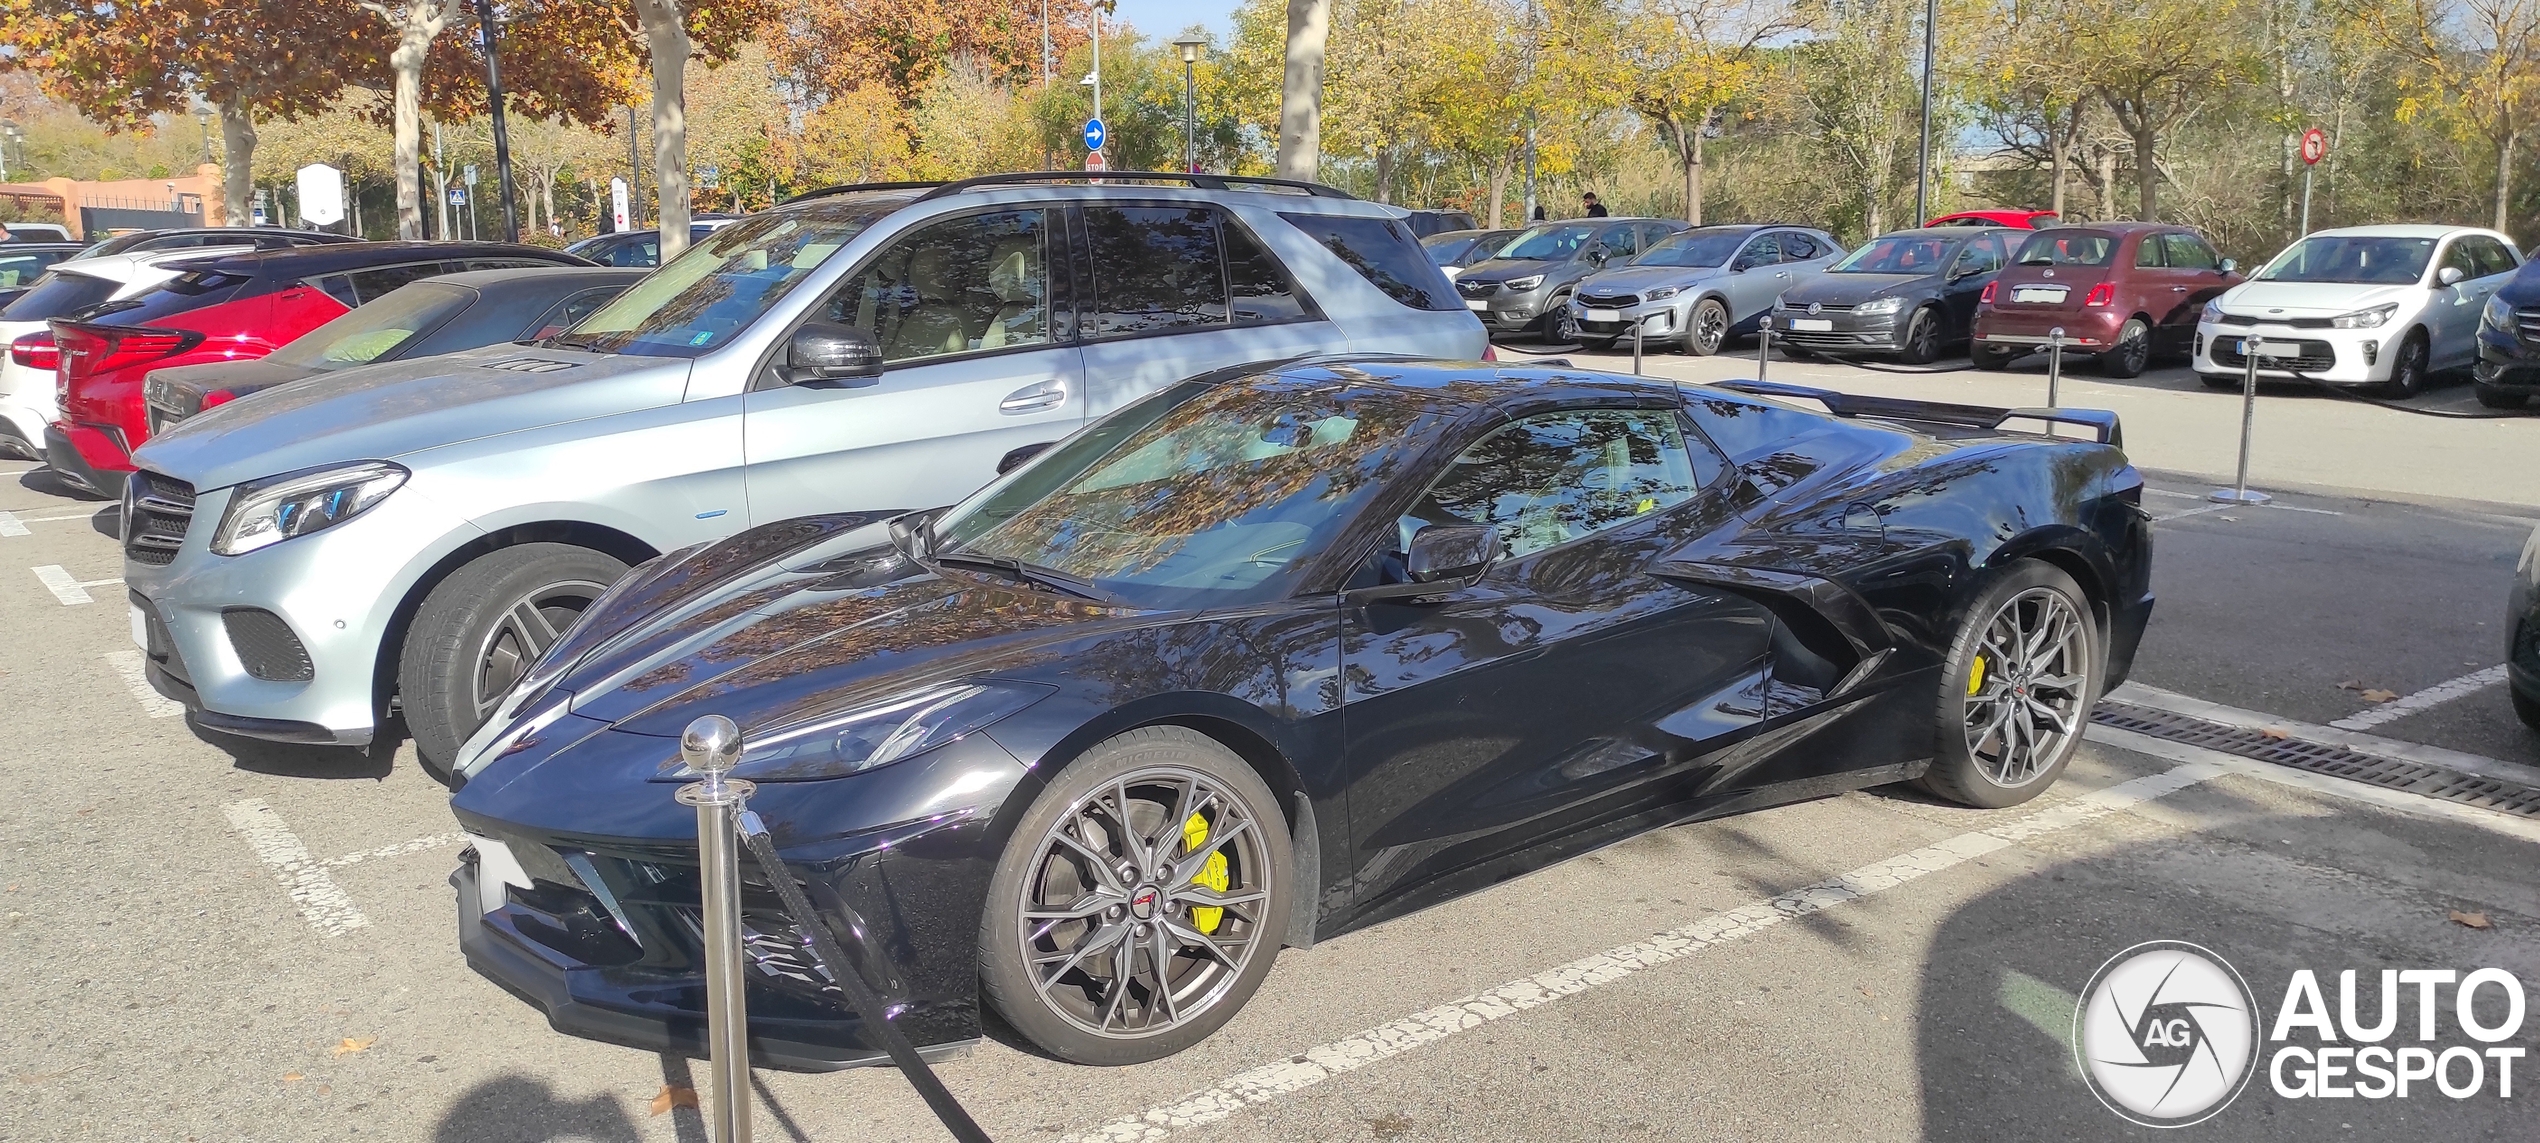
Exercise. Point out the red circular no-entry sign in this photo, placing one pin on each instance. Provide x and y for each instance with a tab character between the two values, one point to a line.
2314	145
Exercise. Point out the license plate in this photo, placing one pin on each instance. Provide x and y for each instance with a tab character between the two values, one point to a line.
140	627
1812	325
1600	315
2272	348
2038	293
1477	307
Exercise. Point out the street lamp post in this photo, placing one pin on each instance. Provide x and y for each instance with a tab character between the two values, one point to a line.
8	135
486	29
203	119
1191	47
1922	169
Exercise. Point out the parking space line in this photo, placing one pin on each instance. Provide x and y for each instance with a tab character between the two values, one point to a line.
400	849
2435	695
1315	1065
12	524
2187	512
322	902
136	678
72	592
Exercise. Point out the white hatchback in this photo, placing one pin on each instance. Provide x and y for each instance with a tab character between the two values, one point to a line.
27	401
2363	305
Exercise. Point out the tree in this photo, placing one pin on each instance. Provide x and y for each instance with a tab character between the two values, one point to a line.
1477	88
2479	63
1301	90
835	46
1374	69
1684	62
2157	63
1859	97
2025	88
122	63
415	23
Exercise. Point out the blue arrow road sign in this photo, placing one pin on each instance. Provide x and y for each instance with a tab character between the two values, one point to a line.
1093	134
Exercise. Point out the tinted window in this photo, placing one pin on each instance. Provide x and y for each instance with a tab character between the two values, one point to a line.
1694	248
379	281
1384	255
177	295
1981	256
721	285
1551	479
2457	257
1155	268
2149	253
2489	255
2188	252
572	310
23	268
1896	254
2351	258
2068	247
58	294
1798	247
375	330
980	281
1261	289
1764	251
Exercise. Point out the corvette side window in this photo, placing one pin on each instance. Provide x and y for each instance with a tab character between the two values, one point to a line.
1550	479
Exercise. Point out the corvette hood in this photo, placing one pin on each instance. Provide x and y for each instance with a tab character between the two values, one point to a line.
395	408
2313	299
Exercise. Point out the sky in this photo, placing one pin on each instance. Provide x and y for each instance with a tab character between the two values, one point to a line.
1165	19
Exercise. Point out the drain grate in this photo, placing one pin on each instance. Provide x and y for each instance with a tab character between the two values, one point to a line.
2324	758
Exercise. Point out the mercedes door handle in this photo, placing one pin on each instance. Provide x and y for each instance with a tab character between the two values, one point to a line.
1035	398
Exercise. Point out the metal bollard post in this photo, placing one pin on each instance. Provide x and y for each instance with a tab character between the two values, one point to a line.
711	746
1636	330
2239	492
2054	363
1763	344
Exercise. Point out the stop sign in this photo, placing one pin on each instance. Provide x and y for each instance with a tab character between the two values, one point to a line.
1095	162
2314	145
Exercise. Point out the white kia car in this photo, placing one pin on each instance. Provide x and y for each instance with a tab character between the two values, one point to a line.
27	359
2365	305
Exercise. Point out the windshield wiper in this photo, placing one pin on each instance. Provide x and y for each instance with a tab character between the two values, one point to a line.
1033	574
586	345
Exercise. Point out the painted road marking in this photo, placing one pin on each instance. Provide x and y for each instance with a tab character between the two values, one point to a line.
2432	696
12	524
2140	694
400	849
1315	1065
136	678
72	592
2187	512
322	902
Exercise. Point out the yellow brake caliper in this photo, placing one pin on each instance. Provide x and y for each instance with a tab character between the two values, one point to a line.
1212	875
1975	678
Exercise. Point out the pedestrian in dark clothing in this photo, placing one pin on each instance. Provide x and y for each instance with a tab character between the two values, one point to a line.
1595	209
1538	212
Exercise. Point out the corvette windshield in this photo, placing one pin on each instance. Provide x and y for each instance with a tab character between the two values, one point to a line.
1202	495
1898	254
2373	261
721	285
1694	249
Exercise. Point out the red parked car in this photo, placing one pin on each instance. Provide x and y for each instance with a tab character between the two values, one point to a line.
223	309
2015	219
2120	291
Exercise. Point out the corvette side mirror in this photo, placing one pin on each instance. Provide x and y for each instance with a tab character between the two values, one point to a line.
1455	554
826	351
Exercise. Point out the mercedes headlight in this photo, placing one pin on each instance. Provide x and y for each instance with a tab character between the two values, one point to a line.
269	511
1521	285
2364	319
1877	306
1661	294
2499	313
878	734
2213	312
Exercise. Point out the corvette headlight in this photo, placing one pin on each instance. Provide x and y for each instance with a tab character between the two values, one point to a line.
836	745
2213	312
269	511
1877	306
1661	294
1521	285
2499	313
2364	319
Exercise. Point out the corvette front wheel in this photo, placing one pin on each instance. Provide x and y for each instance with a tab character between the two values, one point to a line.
2023	673
1140	901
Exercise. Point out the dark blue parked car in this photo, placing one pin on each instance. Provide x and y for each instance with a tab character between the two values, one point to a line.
2507	372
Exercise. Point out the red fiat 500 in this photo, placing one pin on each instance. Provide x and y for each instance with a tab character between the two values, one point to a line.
2119	291
223	309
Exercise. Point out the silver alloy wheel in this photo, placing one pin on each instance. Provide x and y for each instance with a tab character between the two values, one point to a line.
2026	698
1116	925
1710	327
530	625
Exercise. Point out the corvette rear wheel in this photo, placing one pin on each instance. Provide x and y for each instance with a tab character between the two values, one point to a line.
2022	676
1140	901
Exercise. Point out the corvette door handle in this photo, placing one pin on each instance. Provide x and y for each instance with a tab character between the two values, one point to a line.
1035	398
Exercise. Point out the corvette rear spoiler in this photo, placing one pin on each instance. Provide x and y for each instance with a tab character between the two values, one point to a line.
2100	423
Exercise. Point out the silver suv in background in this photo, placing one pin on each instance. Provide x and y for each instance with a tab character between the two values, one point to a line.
412	535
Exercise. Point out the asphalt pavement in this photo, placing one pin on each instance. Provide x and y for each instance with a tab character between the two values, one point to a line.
217	939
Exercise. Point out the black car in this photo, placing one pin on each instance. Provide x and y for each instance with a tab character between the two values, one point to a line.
197	237
2507	371
420	319
1528	283
21	263
1269	656
631	247
1425	223
1912	293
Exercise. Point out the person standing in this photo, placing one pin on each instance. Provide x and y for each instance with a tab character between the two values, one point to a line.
1595	209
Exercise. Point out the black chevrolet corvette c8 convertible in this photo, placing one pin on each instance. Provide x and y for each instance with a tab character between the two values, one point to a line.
1273	655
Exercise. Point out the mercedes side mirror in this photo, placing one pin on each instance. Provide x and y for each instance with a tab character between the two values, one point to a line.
2449	275
1451	554
828	352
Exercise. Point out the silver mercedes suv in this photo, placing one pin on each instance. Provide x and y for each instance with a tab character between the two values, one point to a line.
308	561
